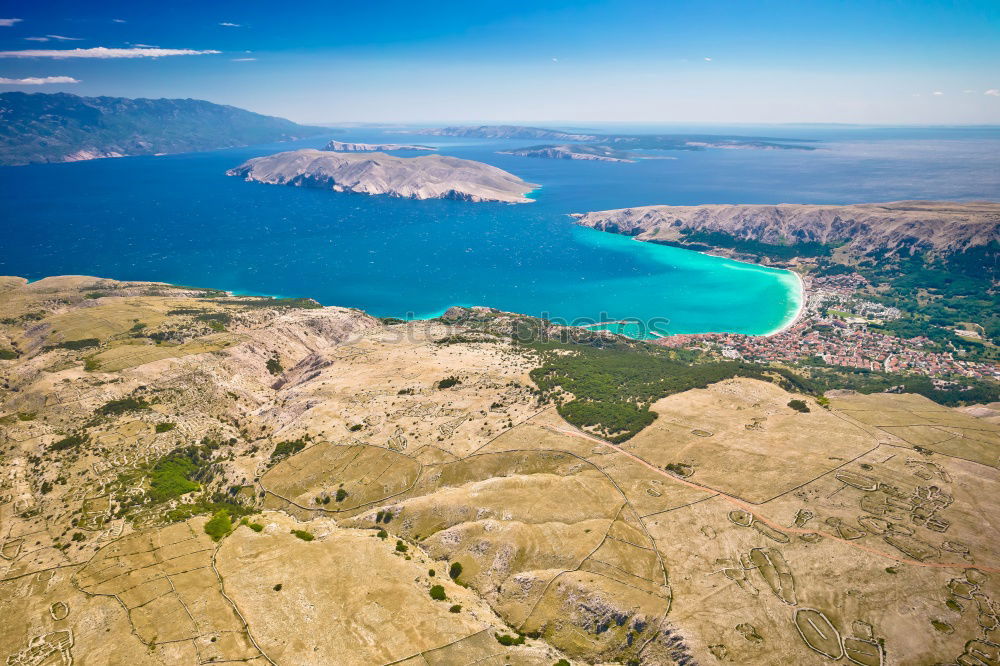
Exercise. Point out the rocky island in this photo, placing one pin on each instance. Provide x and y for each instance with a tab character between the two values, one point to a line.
506	132
585	152
426	177
615	146
346	147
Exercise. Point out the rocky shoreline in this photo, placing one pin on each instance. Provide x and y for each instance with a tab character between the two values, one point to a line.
849	231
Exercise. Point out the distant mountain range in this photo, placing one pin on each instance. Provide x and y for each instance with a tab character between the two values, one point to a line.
66	128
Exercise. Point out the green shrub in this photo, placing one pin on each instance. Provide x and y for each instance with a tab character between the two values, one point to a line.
221	318
265	302
8	354
506	639
256	527
448	382
432	573
219	526
611	389
165	427
171	477
76	345
617	420
205	506
562	662
401	547
302	534
285	449
382	534
943	627
437	593
123	406
457	608
455	570
680	469
274	365
26	416
79	536
73	441
341	494
277	588
799	405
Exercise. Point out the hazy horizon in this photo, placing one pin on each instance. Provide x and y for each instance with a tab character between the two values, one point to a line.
869	63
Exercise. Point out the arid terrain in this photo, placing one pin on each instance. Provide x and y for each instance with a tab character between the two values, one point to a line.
191	477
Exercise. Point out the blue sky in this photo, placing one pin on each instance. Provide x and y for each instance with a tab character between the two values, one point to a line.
664	61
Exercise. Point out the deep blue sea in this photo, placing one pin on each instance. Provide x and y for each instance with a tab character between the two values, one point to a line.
179	219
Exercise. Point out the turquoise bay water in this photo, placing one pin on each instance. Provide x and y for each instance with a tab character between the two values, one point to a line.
180	219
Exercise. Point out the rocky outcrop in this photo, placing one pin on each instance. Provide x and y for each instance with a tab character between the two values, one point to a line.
936	227
345	147
427	177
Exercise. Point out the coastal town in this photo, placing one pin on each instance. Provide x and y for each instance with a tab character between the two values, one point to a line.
837	327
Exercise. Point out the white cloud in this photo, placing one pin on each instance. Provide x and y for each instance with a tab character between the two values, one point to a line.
555	60
102	52
937	93
243	59
993	92
65	39
6	23
118	20
37	39
37	81
230	25
146	46
708	60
